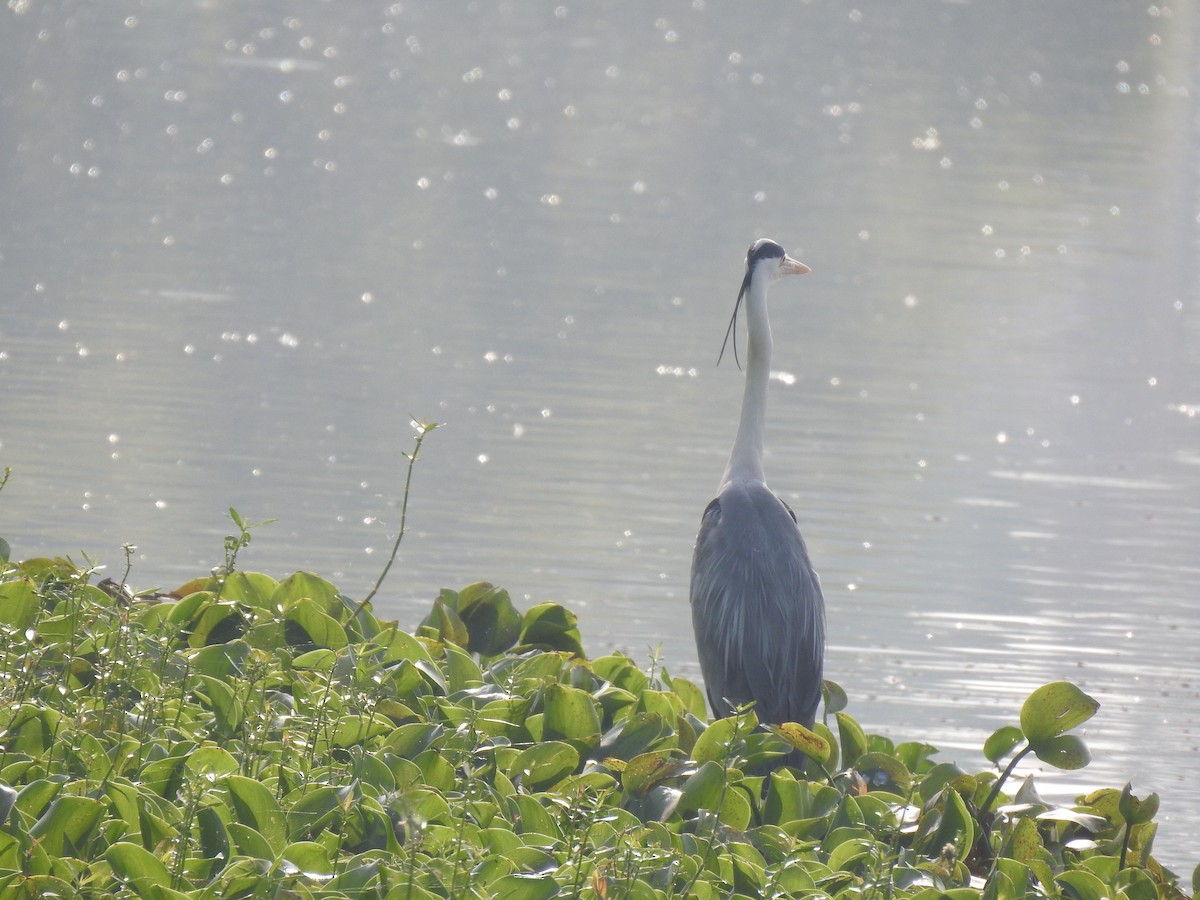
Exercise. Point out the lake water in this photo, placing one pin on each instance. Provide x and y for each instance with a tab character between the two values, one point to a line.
245	243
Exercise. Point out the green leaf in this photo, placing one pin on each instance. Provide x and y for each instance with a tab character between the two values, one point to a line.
309	859
445	624
254	806
315	811
1084	885
570	714
1001	741
1055	709
648	769
307	586
251	588
214	837
553	627
492	621
635	735
853	740
249	842
212	760
834	695
702	790
1063	752
884	773
218	696
318	627
138	868
1135	811
1023	842
689	693
716	742
19	604
807	742
63	828
544	763
518	886
217	623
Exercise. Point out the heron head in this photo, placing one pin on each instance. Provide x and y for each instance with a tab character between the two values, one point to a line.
774	262
764	259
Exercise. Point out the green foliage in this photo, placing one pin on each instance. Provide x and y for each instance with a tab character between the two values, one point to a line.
246	737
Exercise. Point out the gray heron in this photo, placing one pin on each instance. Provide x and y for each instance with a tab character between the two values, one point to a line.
757	608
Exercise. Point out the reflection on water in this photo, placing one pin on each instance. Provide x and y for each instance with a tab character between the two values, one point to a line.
245	257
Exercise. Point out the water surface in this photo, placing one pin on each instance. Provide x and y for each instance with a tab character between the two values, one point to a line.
245	245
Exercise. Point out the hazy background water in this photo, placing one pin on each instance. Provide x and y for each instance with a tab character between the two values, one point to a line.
243	243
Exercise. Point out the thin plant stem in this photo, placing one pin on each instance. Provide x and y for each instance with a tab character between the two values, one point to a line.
422	428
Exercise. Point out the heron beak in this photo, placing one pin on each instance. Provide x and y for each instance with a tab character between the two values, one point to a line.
791	266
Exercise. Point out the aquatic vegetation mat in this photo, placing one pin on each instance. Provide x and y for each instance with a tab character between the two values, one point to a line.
247	737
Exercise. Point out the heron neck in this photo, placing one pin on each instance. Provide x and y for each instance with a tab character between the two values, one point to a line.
746	460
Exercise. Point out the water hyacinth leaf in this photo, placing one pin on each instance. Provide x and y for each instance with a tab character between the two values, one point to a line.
32	730
689	693
1054	709
8	799
1066	751
462	672
762	748
444	624
307	586
834	696
408	741
254	805
307	623
735	810
214	838
947	823
702	789
544	763
1084	885
436	771
66	824
313	812
224	661
716	742
164	776
553	627
914	754
635	735
140	869
492	621
655	805
1135	811
1001	741
308	858
211	759
570	714
853	740
520	886
5	551
884	773
351	731
396	645
219	697
1065	814
19	604
252	588
217	623
648	769
807	742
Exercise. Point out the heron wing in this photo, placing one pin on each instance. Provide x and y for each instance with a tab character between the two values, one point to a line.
757	608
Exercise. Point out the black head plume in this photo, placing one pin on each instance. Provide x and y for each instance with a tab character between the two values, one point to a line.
763	248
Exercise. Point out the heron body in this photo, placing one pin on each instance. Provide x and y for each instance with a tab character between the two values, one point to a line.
757	608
